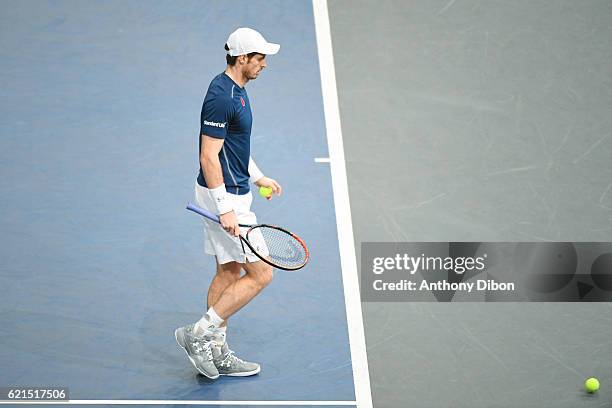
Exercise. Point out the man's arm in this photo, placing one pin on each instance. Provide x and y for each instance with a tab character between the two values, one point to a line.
254	172
209	159
258	178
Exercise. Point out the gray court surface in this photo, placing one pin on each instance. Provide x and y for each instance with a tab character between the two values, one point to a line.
479	121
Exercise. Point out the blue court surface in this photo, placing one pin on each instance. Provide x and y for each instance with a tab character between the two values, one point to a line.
98	153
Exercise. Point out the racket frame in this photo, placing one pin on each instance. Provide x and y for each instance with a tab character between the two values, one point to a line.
243	239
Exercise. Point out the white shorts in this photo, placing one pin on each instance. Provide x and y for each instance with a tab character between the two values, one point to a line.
216	240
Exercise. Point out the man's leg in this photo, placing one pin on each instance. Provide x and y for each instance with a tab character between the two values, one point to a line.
228	287
236	295
227	274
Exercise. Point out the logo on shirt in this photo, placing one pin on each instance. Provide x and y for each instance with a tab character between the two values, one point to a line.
242	101
215	124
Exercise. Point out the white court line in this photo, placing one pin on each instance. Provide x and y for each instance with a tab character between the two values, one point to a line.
186	402
321	160
343	210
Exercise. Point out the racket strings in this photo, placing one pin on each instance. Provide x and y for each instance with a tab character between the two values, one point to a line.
281	247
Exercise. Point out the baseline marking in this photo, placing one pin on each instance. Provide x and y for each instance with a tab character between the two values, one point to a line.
185	402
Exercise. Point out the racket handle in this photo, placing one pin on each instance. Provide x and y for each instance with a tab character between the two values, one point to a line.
202	212
209	215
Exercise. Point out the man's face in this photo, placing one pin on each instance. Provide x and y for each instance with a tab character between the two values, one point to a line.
254	66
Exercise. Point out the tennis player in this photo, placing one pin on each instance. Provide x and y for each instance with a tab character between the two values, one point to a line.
222	187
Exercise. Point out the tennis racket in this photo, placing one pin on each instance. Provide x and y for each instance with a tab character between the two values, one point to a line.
274	245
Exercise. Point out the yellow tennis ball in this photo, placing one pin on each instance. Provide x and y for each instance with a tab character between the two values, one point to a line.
591	384
265	191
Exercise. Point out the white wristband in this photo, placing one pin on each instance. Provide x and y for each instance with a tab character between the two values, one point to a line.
221	199
254	172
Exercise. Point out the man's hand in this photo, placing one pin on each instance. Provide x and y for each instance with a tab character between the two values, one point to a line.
229	222
270	183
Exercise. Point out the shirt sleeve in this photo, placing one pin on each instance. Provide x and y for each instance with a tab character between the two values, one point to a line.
216	114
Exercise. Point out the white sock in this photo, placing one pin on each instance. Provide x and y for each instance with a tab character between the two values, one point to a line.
208	323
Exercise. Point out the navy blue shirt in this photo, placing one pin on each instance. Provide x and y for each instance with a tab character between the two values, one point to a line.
226	114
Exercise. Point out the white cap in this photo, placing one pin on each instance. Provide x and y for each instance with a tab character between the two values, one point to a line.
246	40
